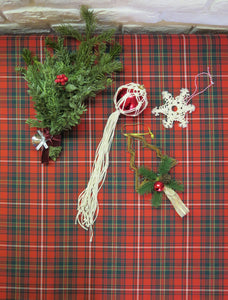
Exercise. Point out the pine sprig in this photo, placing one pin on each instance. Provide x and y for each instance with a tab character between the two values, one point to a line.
115	50
90	20
69	31
106	35
54	152
27	56
52	44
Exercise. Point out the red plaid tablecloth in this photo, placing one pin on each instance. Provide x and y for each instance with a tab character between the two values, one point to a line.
138	252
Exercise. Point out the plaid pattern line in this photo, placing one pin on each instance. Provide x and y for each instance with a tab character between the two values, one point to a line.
138	252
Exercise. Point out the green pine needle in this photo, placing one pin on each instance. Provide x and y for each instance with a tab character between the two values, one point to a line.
165	165
175	185
145	188
27	56
156	199
89	17
115	50
146	173
51	43
106	35
70	31
33	123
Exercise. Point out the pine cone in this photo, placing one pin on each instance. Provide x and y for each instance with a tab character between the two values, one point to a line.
166	178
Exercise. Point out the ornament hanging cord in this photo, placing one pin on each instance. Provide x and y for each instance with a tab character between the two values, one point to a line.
194	94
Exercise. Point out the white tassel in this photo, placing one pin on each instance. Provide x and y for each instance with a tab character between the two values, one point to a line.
176	201
88	207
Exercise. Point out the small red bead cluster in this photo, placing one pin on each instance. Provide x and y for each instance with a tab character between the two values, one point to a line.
61	79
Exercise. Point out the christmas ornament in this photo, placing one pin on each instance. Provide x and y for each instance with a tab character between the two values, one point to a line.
60	83
175	109
129	100
156	182
159	186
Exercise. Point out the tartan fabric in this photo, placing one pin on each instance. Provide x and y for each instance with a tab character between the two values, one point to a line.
138	252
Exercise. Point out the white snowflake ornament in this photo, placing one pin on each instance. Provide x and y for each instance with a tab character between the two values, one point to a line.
175	109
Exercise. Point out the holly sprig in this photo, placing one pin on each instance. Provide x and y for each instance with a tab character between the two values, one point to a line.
162	175
150	181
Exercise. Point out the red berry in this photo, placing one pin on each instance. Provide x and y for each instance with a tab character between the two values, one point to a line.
65	78
63	83
56	80
58	76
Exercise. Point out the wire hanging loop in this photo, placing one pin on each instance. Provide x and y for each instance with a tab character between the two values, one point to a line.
196	92
130	149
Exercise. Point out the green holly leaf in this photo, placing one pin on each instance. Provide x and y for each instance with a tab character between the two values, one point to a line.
145	188
146	173
156	199
70	87
175	185
165	165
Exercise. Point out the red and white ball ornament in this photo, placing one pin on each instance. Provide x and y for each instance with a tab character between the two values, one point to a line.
130	100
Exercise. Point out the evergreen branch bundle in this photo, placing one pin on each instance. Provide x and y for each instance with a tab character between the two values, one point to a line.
87	71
